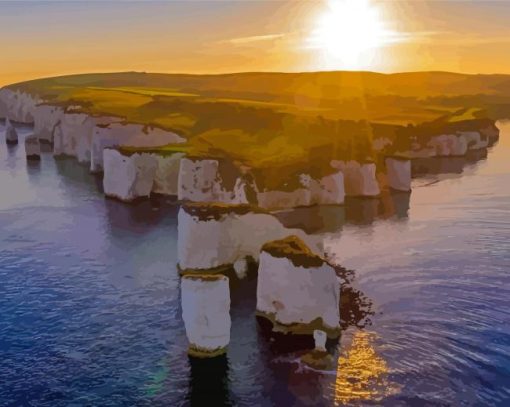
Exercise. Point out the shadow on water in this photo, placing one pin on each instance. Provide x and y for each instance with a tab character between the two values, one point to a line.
357	211
209	381
140	216
446	165
71	170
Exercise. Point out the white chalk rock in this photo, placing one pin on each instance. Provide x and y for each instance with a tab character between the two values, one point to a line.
127	134
128	177
11	135
241	268
17	105
380	143
32	148
399	173
297	290
474	140
320	338
210	237
46	119
73	134
206	241
446	145
200	181
329	190
205	303
359	179
166	177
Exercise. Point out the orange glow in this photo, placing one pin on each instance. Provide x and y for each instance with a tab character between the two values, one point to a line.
361	373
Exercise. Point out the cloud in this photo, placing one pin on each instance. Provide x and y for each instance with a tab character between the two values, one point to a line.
253	39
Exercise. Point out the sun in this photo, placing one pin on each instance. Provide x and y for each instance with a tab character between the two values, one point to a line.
348	33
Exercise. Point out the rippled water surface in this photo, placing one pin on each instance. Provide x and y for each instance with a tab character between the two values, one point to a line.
90	308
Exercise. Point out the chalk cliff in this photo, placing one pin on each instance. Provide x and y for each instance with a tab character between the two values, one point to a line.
18	106
127	134
359	178
226	234
398	171
200	180
46	119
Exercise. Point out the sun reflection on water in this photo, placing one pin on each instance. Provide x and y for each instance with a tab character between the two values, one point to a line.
362	375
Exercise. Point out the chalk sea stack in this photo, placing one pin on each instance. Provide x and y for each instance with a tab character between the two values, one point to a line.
11	135
205	302
32	148
297	290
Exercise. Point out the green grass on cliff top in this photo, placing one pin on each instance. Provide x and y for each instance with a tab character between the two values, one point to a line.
273	119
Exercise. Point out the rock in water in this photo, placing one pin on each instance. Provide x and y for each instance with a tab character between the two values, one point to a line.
32	148
11	135
297	290
206	313
320	338
399	173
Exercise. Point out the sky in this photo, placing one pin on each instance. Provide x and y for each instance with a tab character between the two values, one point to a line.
43	38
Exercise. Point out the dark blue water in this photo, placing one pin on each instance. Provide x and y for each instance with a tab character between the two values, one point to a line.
90	313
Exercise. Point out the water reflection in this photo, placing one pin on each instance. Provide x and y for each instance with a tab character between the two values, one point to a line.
209	381
356	211
446	165
362	375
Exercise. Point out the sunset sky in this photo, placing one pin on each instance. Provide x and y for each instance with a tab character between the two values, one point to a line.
52	38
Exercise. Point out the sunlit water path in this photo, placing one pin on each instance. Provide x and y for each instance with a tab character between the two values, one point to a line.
90	313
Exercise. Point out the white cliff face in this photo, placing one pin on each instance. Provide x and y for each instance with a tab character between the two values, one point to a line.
289	294
448	145
229	237
17	105
167	174
73	134
200	181
46	119
205	303
380	143
359	179
329	190
128	177
474	139
11	135
126	134
398	174
32	147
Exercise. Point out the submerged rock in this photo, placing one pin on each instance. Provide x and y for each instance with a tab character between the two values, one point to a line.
296	289
11	135
319	358
32	148
206	313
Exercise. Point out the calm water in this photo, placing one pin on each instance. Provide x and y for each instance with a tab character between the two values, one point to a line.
90	313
